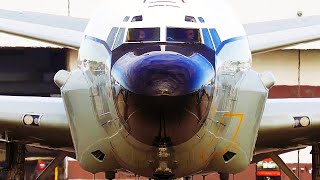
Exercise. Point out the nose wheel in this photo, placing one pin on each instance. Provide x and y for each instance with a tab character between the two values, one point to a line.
110	175
163	176
224	176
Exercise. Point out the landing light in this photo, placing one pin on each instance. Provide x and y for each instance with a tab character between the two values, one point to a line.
304	121
301	121
28	120
31	119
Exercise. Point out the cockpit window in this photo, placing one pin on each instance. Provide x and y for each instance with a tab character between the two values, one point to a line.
183	35
189	19
143	34
136	18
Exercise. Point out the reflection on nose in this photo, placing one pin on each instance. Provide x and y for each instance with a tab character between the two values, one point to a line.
162	73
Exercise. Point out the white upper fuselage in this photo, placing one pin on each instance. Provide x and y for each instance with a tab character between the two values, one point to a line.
216	14
156	98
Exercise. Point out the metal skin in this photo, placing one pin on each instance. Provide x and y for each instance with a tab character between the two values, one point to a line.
162	108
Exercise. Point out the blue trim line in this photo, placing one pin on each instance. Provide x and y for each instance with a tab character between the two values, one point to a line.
206	38
126	19
201	19
215	37
104	43
229	41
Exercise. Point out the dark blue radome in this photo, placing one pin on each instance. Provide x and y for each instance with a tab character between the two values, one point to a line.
162	73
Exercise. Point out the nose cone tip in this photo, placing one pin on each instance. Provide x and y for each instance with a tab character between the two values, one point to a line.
157	74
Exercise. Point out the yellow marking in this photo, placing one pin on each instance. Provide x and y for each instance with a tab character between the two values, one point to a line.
202	154
56	173
214	140
217	131
235	147
240	116
202	157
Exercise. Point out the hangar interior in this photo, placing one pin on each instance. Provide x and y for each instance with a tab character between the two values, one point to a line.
30	71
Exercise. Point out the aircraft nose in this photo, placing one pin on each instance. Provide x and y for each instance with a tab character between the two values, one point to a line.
163	73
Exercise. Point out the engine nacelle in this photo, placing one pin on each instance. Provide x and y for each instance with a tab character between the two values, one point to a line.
244	103
90	127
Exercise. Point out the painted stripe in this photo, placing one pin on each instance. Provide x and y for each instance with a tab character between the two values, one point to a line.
204	154
228	41
104	43
201	19
239	116
126	19
206	38
215	37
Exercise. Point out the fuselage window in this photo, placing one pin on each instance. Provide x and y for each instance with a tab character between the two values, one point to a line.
143	34
119	39
183	35
112	36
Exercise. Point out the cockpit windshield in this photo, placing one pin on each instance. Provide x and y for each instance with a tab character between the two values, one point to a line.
143	34
183	35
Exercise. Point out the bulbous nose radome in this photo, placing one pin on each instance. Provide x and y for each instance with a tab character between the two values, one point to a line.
162	73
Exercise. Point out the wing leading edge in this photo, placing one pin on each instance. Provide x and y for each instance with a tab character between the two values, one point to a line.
272	35
60	30
289	123
68	31
39	121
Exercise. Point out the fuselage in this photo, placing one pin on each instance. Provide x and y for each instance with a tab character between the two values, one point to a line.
164	87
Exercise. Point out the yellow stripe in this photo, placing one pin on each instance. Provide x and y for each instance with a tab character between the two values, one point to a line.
203	153
240	116
213	141
56	173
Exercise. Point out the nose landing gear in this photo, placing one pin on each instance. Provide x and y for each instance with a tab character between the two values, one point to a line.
224	176
110	175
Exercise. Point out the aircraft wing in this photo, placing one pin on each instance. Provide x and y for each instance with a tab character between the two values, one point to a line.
61	30
38	121
272	35
289	123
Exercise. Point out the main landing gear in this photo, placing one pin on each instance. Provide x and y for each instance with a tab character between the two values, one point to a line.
13	166
315	162
15	160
